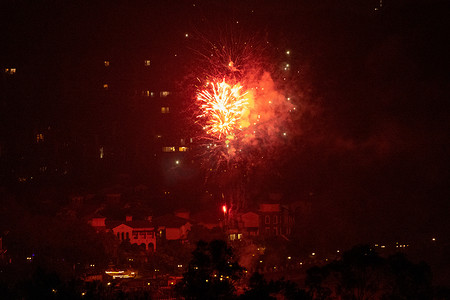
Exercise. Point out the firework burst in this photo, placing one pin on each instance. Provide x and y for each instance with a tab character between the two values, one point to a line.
244	110
223	107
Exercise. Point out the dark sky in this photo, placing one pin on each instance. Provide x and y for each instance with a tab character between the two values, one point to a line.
374	149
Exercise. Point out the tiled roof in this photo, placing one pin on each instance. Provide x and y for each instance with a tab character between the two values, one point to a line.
170	221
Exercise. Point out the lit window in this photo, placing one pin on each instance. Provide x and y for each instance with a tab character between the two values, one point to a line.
106	62
105	86
164	94
39	137
267	219
183	149
147	93
147	63
165	109
168	149
239	236
10	71
232	237
102	153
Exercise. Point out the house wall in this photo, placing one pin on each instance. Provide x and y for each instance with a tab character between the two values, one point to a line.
123	232
144	236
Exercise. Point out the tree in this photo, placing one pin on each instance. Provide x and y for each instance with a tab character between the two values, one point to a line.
259	288
213	272
362	274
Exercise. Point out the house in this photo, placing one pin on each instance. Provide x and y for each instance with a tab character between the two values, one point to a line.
208	219
250	223
172	227
139	232
271	219
98	222
275	219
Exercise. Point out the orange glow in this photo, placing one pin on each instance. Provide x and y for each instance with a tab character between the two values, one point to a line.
224	208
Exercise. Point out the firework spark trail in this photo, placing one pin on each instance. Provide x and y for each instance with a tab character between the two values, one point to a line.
222	106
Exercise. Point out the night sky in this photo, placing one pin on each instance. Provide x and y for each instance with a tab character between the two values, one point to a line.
371	147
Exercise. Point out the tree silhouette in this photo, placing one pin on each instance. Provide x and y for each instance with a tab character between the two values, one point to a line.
212	273
362	274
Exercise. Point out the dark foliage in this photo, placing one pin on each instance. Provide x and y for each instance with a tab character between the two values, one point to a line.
363	274
259	288
212	273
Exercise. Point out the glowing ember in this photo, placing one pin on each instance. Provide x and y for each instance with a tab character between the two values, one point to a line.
222	107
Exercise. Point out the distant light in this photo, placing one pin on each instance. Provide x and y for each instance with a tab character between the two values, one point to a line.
433	239
313	253
289	257
338	251
284	133
186	35
224	209
288	52
177	162
383	246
